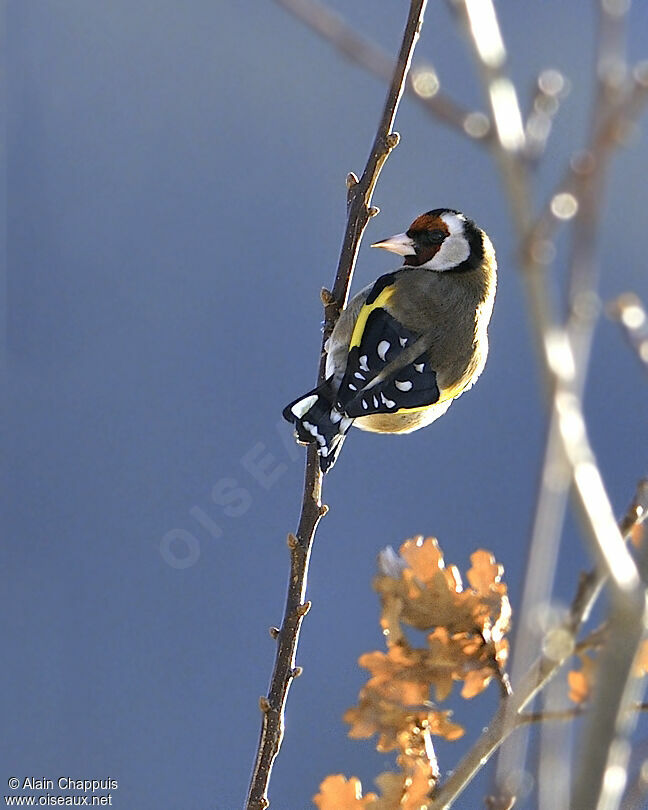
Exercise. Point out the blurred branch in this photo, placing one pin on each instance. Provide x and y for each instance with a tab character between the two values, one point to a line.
609	132
604	756
551	88
558	648
422	85
564	350
528	718
359	211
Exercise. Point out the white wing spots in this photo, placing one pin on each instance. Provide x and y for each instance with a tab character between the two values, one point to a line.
363	363
312	429
303	406
383	348
353	387
375	402
388	403
364	404
358	376
336	416
345	424
403	386
402	341
419	367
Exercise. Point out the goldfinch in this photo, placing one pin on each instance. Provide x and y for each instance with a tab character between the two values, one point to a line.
410	343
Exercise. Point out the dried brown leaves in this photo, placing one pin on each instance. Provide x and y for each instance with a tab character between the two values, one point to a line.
465	642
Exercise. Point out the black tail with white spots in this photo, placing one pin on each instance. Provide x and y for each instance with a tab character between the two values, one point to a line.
318	420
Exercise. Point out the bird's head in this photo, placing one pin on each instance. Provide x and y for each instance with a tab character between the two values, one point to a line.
442	239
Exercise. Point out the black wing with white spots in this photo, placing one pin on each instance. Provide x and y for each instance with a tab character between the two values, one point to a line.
318	421
411	386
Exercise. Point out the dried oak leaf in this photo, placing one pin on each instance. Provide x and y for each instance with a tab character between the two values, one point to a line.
441	726
429	594
409	788
392	788
338	793
415	745
485	573
475	682
390	618
381	711
581	681
424	557
416	670
467	658
377	714
419	783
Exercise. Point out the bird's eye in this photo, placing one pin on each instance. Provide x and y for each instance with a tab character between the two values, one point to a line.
435	236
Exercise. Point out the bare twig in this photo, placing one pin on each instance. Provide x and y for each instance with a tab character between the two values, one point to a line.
637	512
422	85
596	638
359	211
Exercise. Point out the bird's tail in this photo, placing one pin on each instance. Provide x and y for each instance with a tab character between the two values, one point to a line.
318	420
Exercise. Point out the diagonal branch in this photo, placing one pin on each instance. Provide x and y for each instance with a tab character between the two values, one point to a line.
423	86
563	715
359	211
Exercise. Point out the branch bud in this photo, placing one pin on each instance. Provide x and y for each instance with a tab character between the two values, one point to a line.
351	180
302	610
326	296
392	140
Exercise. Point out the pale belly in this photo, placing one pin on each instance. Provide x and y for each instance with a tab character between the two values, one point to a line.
402	422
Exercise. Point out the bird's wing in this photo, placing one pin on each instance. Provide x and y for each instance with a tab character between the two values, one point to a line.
388	368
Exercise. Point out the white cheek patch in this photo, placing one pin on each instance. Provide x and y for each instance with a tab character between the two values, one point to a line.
453	251
455	223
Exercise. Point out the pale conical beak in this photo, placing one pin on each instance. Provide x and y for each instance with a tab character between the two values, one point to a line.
401	244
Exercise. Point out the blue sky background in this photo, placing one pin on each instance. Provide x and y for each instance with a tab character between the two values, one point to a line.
175	195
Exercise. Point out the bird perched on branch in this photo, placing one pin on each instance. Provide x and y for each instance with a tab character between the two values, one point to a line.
410	343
